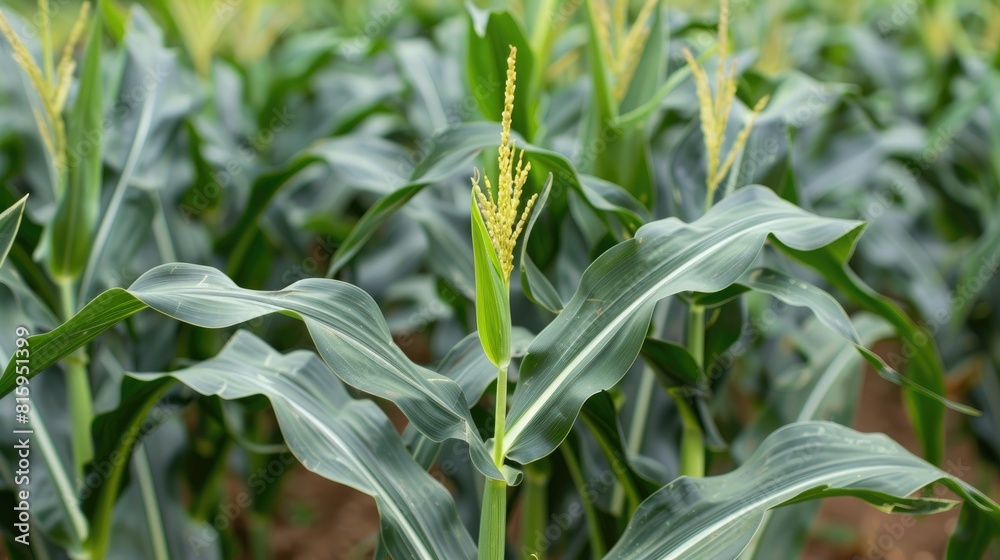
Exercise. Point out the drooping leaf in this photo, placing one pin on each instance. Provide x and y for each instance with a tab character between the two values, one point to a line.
924	367
826	388
800	293
716	517
346	440
345	323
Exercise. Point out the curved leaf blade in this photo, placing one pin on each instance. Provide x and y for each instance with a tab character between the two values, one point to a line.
924	367
799	293
344	322
535	285
342	439
716	517
597	337
10	221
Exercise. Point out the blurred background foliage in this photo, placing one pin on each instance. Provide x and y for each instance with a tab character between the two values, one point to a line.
254	136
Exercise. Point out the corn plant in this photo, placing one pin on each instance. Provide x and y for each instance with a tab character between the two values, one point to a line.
590	312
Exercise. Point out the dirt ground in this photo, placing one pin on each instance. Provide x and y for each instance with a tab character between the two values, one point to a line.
342	523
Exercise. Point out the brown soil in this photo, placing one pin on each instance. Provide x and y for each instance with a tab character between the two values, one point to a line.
880	536
341	523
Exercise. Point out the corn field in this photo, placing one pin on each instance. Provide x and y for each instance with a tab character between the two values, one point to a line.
442	280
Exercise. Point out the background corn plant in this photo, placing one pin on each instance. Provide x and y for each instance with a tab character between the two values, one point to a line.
254	248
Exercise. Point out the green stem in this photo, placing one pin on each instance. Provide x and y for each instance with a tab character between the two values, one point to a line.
493	519
208	499
81	408
692	439
597	546
696	334
500	416
260	548
534	510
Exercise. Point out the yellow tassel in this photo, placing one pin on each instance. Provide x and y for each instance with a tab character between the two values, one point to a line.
64	72
715	110
500	212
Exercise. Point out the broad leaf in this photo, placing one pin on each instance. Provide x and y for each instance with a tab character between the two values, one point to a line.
345	323
715	517
594	341
924	367
346	440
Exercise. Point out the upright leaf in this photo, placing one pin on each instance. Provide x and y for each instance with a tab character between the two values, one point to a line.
78	204
490	36
492	299
10	221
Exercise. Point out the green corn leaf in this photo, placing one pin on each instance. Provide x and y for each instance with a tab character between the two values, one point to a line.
649	70
342	439
451	153
716	517
975	530
827	388
345	323
361	161
601	418
10	221
535	285
492	294
76	211
375	216
467	364
800	293
116	434
490	36
597	337
673	365
924	368
603	97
